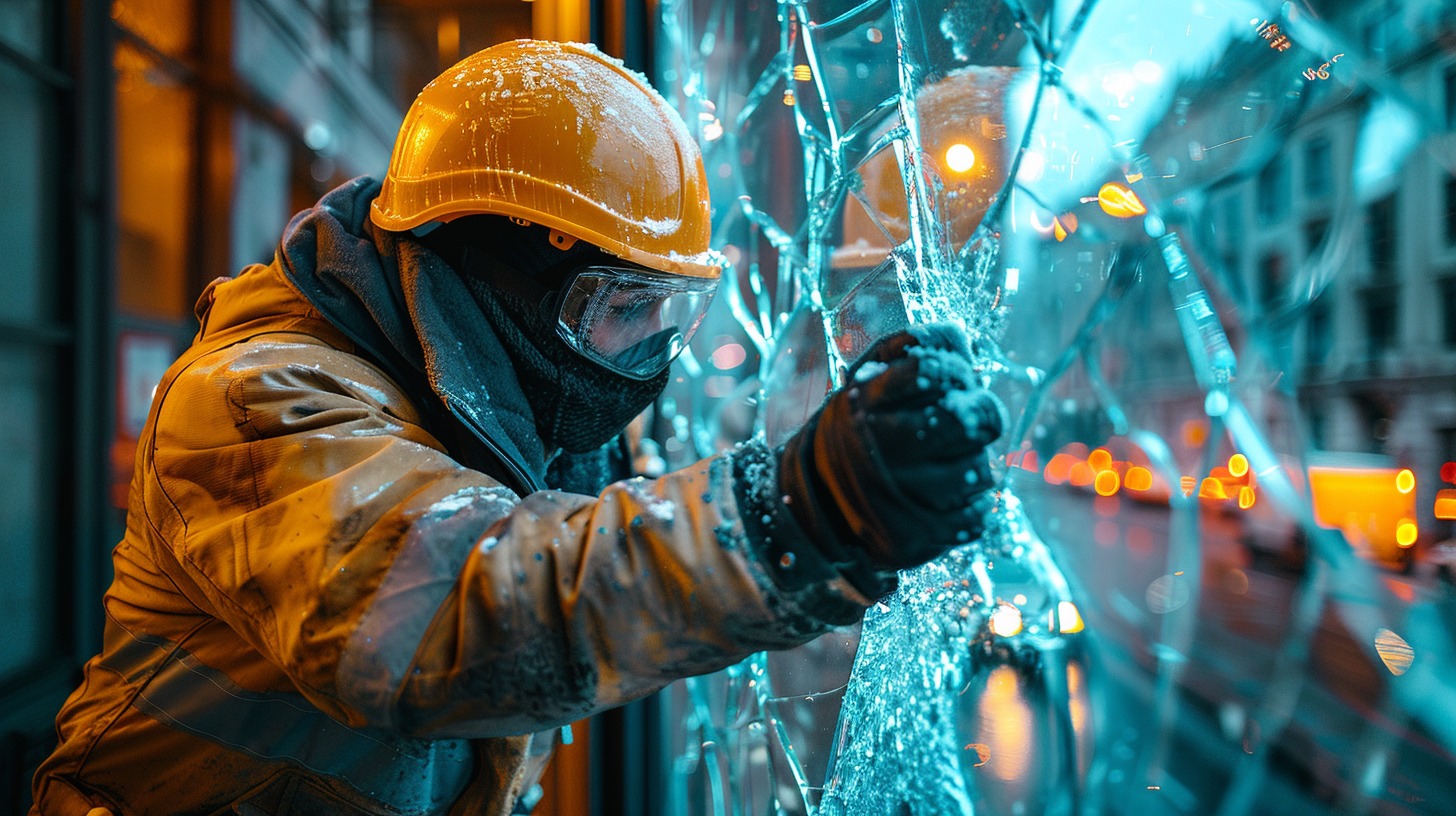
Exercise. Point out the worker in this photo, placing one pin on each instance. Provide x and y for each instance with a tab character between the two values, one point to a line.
380	545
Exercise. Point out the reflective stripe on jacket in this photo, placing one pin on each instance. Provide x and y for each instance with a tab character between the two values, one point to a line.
317	610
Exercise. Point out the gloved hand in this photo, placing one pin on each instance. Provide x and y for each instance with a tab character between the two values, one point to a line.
893	469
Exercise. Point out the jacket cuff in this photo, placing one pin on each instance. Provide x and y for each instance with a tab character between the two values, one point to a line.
817	573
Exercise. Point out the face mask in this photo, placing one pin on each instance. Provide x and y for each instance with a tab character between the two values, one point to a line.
578	405
590	335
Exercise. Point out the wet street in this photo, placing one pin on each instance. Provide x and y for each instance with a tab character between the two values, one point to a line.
1262	720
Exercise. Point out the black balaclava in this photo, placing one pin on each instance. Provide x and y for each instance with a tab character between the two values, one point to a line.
516	272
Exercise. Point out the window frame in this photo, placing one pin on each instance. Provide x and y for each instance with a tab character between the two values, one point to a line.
1446	288
1382	238
1376	298
1272	192
79	335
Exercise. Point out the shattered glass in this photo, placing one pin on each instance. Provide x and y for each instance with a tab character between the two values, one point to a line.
1206	254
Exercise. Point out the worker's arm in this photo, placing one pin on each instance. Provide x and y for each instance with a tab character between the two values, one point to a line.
297	498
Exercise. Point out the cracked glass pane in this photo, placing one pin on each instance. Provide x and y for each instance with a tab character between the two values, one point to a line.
1206	256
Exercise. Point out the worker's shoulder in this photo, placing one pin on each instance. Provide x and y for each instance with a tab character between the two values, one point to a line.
281	367
283	350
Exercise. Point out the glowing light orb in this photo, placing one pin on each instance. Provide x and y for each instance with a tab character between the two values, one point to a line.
1405	481
960	157
1446	504
1069	620
1106	483
729	356
1238	465
1195	431
1406	533
1118	201
1211	488
1059	469
1006	620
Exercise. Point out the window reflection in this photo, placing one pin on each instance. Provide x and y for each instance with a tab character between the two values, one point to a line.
25	26
29	540
1272	194
1319	331
1317	167
1292	273
27	174
166	25
1447	289
1380	241
1450	89
155	123
1382	310
1449	222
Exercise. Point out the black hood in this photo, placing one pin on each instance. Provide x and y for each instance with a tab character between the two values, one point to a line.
412	313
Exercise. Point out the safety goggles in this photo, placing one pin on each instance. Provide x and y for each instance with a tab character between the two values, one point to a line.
632	321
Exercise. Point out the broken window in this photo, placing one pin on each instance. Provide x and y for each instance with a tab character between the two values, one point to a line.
1213	583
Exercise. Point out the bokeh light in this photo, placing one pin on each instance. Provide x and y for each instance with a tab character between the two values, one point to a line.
960	158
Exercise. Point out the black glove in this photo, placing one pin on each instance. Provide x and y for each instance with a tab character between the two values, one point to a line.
893	470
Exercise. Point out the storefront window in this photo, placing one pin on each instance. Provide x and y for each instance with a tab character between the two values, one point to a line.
31	334
29	542
166	25
260	195
26	27
29	175
156	121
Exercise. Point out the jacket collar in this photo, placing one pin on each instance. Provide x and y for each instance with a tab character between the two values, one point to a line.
408	310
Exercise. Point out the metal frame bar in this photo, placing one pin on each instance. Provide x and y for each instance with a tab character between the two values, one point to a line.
83	336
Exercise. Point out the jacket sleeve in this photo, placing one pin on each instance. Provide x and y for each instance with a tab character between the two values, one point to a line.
298	499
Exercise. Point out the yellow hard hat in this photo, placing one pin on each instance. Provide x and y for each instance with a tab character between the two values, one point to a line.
561	135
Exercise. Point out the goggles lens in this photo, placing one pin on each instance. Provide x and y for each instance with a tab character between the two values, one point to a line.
632	321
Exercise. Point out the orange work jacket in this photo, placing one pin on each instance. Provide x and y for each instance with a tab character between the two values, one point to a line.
317	610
